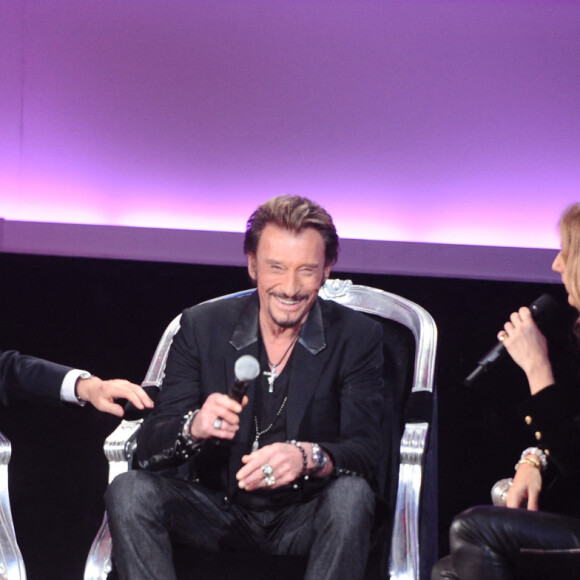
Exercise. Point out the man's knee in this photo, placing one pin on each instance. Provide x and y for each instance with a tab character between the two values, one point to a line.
350	499
350	489
131	493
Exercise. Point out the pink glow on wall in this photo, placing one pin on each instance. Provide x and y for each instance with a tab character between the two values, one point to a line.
427	121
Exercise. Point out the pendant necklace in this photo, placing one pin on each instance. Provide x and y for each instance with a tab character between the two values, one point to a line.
272	374
256	443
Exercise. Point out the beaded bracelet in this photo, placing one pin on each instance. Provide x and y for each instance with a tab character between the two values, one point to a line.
304	457
539	454
529	461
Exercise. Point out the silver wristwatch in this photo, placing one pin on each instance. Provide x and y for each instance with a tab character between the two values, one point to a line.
318	458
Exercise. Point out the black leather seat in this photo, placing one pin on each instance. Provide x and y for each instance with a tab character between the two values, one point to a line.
540	564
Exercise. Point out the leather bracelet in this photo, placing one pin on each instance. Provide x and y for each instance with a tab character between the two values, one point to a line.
304	457
186	429
186	443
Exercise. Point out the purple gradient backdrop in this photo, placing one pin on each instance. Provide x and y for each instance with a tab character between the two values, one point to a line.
454	122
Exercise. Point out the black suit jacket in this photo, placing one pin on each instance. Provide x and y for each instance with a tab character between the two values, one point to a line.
336	396
25	378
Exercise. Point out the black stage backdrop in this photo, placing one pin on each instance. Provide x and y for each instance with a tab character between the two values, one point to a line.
106	316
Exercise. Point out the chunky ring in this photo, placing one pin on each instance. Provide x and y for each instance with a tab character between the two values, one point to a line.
502	336
217	424
270	480
268	471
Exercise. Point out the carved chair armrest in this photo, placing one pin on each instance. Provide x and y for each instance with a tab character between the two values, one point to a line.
119	450
120	447
11	562
404	559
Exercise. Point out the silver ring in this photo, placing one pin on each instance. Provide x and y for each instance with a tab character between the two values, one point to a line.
270	480
502	336
217	424
267	469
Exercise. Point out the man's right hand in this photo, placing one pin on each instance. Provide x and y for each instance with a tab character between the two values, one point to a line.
218	417
102	394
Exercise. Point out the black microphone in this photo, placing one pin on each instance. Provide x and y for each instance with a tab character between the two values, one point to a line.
246	369
212	459
542	309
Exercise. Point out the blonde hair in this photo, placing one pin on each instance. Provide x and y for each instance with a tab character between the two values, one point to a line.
570	240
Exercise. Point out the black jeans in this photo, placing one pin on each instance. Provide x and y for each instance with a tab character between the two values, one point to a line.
146	512
489	543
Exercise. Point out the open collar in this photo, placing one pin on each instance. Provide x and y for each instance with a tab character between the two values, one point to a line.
246	330
306	367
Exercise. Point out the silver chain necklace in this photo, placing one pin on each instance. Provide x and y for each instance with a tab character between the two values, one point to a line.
272	374
256	443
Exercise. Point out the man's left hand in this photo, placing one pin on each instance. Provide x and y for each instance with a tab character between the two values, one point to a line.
102	394
270	467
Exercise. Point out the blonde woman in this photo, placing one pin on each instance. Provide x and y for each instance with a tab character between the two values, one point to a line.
487	542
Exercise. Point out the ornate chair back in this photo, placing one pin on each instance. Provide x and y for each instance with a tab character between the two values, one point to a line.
410	340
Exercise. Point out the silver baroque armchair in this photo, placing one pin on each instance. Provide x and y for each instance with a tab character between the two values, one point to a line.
412	541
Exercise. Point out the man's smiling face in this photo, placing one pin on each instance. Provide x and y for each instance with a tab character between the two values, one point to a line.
288	269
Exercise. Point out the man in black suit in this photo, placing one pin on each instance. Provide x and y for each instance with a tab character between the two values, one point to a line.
291	469
25	378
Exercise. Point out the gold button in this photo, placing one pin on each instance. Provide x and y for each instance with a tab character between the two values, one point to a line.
528	420
538	435
546	451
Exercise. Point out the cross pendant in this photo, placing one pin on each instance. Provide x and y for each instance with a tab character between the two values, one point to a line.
272	376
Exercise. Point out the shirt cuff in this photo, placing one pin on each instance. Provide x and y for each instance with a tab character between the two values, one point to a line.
67	389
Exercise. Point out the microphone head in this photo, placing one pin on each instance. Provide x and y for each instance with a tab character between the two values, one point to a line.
247	368
544	307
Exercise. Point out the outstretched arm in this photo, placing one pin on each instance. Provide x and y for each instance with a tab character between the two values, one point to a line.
102	394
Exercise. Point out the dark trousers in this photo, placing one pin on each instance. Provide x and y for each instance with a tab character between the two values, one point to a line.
147	512
492	543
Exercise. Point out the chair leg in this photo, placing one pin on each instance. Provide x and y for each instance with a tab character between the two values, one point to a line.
99	562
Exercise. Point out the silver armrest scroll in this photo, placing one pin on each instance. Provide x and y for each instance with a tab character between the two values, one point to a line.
11	562
119	448
404	559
